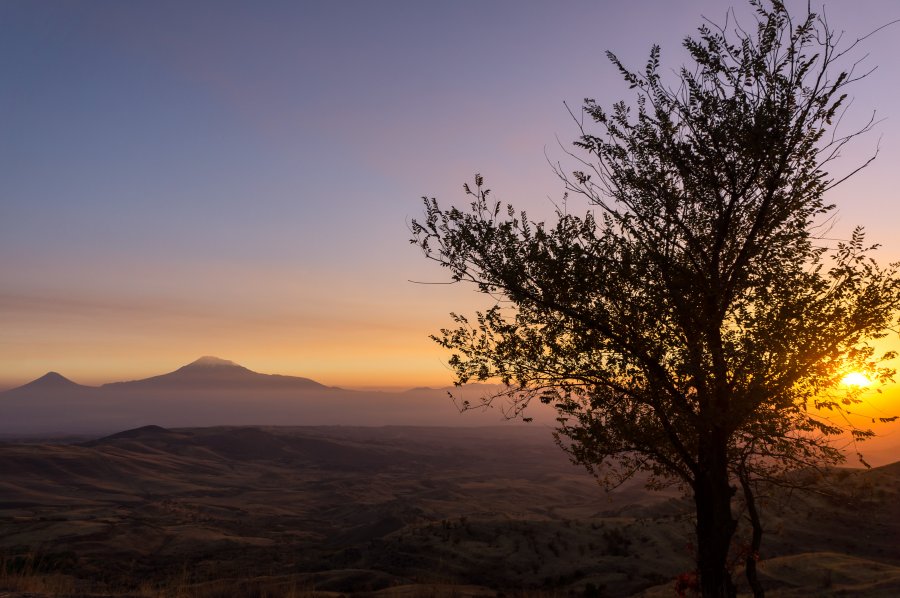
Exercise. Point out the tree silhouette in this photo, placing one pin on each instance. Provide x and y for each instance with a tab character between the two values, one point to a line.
693	323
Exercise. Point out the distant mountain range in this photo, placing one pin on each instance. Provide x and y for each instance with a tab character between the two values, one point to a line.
216	392
206	373
213	391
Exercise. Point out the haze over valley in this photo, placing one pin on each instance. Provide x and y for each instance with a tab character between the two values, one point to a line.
130	497
211	391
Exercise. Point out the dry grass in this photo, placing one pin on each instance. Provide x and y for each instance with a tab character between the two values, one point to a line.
384	513
23	574
829	574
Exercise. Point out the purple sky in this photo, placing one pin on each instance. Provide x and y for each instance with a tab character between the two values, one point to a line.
236	178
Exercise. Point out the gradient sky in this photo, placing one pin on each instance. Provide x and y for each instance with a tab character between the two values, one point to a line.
236	178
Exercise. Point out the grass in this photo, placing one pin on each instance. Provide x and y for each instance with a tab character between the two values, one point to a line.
25	573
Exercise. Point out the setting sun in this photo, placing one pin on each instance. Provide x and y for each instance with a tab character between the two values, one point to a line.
855	379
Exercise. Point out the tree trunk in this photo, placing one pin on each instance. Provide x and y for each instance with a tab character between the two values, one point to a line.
755	542
715	523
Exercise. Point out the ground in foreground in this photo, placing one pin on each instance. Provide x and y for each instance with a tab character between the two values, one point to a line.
393	511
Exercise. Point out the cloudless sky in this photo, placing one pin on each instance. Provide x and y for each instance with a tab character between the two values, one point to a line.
237	178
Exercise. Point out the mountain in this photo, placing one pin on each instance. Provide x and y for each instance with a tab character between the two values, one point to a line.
216	392
213	373
51	383
51	380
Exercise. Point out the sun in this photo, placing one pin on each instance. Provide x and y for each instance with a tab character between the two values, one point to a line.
856	379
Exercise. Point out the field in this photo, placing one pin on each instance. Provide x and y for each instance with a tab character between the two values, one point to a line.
395	511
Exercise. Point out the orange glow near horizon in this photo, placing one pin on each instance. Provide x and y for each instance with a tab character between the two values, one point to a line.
335	336
392	368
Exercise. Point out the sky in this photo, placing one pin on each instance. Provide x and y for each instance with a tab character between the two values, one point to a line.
237	179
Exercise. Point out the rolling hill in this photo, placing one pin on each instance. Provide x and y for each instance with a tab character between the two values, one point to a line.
399	511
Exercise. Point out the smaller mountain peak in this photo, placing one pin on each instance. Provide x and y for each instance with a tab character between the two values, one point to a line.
208	361
49	381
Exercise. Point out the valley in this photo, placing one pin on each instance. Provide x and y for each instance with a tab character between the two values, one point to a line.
337	510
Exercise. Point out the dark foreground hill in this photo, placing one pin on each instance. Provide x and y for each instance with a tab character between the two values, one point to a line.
394	511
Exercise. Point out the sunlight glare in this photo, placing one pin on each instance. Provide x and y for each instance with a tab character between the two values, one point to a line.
855	379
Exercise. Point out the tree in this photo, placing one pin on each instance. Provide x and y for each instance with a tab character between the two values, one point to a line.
693	323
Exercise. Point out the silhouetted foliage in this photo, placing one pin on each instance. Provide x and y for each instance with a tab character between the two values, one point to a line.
693	323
